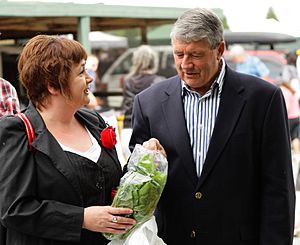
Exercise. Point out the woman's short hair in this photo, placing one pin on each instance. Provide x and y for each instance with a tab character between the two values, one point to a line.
198	24
48	61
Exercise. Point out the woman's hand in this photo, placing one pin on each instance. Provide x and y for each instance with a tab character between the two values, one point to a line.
107	219
153	144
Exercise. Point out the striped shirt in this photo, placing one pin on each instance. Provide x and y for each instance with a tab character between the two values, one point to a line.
200	114
9	102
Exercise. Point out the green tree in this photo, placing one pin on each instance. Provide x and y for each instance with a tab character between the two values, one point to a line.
225	23
271	14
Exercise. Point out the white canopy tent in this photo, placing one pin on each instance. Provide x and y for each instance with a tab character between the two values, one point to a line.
105	41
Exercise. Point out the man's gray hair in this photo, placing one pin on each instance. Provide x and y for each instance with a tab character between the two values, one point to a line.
198	24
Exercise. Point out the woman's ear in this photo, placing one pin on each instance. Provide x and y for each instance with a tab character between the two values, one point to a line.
52	90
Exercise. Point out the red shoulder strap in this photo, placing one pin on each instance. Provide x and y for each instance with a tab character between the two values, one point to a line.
29	129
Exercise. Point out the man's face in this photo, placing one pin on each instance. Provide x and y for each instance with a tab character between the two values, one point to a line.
196	63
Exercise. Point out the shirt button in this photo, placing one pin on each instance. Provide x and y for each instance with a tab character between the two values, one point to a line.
193	234
198	195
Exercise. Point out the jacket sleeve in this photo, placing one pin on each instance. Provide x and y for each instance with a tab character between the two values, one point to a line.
277	189
21	209
141	131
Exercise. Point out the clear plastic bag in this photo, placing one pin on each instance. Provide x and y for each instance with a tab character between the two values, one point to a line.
141	187
146	234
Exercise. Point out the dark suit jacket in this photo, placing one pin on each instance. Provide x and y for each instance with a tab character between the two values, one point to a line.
245	194
40	196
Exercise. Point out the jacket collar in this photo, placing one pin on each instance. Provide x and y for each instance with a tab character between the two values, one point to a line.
48	145
231	105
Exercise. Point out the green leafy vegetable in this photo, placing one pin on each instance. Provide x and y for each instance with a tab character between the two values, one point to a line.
141	187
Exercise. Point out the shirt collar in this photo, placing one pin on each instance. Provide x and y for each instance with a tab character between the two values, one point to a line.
218	83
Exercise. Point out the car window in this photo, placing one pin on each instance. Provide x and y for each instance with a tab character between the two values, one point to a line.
124	66
167	66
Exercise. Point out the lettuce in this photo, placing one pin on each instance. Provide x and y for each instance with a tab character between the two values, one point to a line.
141	187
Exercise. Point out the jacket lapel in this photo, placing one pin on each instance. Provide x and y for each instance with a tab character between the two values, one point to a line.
95	127
231	105
174	114
48	145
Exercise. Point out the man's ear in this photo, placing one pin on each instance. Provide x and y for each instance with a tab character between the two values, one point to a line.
221	49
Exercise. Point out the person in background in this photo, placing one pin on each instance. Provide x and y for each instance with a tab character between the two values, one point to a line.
59	192
290	85
293	112
298	62
92	64
290	74
226	137
9	101
141	76
96	102
248	64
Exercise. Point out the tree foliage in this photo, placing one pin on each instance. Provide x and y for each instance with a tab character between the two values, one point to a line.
271	14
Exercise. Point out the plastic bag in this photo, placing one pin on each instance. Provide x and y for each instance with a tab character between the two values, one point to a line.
146	234
141	187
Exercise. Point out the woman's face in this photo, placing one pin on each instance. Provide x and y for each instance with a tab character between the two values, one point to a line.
79	84
197	64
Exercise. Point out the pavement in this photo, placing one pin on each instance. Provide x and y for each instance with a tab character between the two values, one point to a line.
296	241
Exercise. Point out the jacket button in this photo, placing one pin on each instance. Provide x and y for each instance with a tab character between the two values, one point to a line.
98	185
193	234
198	195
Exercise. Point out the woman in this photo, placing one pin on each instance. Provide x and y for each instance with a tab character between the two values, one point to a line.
60	192
141	76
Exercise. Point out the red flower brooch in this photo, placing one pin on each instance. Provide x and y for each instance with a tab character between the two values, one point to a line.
108	137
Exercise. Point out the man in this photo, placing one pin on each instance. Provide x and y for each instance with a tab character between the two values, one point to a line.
9	102
248	64
227	142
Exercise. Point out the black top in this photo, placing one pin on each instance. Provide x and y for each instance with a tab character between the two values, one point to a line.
95	185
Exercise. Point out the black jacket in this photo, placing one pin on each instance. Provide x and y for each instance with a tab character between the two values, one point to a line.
40	197
133	86
245	194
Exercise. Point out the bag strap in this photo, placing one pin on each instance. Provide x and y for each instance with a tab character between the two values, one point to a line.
29	129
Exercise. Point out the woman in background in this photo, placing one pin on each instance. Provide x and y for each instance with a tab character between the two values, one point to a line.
141	76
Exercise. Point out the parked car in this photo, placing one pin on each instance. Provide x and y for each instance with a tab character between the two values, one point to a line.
115	75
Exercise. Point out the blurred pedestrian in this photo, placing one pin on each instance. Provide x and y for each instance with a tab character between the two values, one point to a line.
293	112
141	76
92	63
60	191
9	101
226	138
298	62
248	64
290	74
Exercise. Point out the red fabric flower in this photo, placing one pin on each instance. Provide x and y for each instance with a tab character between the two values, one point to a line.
108	137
